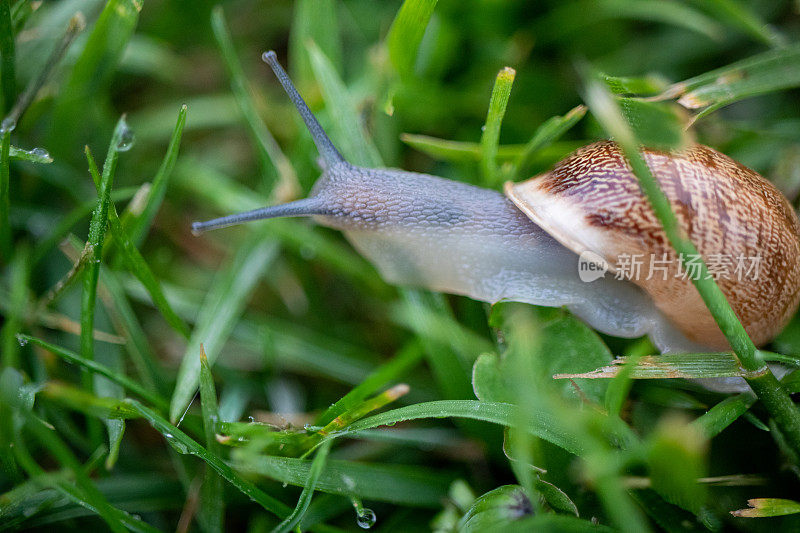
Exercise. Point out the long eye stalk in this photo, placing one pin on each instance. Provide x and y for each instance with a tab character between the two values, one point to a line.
326	148
299	208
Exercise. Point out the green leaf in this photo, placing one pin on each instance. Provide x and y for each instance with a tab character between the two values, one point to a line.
310	485
183	444
458	151
135	262
656	125
97	368
287	186
36	155
18	279
763	507
740	16
550	130
222	308
677	443
496	509
158	189
348	132
767	72
8	52
406	33
92	71
561	342
392	370
5	195
723	414
540	424
682	365
399	484
211	514
314	20
94	249
83	402
490	138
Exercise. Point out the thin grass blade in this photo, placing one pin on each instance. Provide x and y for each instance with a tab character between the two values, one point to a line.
490	139
220	312
287	186
406	34
211	514
310	485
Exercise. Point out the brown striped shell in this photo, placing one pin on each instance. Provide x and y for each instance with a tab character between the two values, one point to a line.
745	229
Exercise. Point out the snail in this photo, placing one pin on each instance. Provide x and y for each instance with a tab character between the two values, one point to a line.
527	244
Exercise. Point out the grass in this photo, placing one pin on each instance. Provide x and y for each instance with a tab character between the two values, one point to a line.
265	377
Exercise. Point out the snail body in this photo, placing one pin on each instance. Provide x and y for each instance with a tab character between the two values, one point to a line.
452	237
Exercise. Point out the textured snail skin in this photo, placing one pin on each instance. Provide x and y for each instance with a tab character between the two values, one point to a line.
592	201
426	231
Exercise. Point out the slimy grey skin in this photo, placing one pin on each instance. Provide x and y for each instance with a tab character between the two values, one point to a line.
426	231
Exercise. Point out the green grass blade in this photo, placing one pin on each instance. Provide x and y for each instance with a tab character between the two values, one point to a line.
151	374
87	493
313	20
158	190
490	138
136	263
457	151
414	486
76	25
19	277
723	414
764	507
8	66
406	34
310	485
736	15
392	370
770	71
348	132
94	247
70	220
183	444
689	366
31	156
81	401
211	514
539	424
548	132
97	368
287	184
96	64
5	194
221	309
451	366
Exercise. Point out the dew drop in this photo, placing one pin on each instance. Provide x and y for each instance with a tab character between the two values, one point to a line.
366	518
22	340
7	125
40	152
251	419
126	139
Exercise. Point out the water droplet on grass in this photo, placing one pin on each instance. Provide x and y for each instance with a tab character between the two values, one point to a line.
366	518
40	152
126	139
7	125
22	340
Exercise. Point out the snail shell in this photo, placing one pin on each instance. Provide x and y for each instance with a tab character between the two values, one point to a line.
744	228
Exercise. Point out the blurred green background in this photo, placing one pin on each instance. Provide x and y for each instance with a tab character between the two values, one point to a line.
292	319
